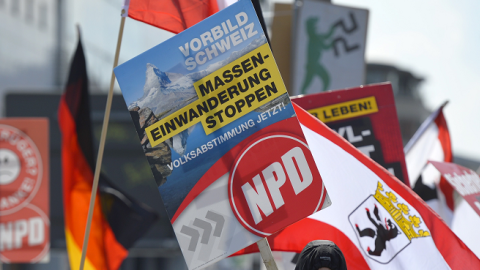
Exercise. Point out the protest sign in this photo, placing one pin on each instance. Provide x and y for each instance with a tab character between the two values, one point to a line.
24	190
465	181
465	220
367	118
380	223
329	47
221	136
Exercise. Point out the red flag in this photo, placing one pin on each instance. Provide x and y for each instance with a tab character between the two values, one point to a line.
118	221
376	220
171	15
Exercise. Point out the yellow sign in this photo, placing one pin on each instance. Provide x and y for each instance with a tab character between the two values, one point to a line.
225	95
346	110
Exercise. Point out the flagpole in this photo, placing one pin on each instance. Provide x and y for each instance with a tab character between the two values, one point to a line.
267	255
102	145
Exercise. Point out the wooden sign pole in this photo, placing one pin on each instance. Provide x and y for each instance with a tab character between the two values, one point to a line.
266	254
101	146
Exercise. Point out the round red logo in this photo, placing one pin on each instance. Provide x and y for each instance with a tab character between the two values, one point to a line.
25	235
20	170
274	183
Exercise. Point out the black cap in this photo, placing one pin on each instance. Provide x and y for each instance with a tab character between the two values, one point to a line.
321	253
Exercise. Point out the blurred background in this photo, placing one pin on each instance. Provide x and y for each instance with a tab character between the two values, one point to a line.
427	49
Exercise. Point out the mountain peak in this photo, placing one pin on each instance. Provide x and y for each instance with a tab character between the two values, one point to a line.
155	78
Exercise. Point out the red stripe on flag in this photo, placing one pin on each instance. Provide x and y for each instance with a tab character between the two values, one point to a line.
77	178
454	251
77	187
307	230
116	252
444	138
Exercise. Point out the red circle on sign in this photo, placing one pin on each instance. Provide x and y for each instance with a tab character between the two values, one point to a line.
20	169
26	235
274	183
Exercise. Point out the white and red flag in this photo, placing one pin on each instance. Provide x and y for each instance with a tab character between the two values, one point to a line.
431	142
376	220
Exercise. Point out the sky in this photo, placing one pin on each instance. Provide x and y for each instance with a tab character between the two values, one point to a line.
438	40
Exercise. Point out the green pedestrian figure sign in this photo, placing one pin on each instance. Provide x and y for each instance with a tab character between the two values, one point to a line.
316	44
330	48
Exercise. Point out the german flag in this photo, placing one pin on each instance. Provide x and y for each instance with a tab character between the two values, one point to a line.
118	221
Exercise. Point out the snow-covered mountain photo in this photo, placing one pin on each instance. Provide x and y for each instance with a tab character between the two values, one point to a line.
166	92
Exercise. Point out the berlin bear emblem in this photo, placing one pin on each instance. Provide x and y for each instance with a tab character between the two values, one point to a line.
391	228
382	233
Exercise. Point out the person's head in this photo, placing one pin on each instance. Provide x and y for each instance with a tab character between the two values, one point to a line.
321	255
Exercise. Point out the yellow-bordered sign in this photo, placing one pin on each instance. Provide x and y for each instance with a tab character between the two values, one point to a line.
346	110
225	95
